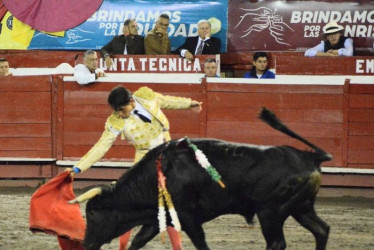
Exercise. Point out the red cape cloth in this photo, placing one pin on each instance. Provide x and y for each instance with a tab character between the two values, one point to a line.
52	15
50	213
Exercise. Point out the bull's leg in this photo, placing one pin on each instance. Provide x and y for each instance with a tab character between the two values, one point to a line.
146	233
308	218
196	233
272	229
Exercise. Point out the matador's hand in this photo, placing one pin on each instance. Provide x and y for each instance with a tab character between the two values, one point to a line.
196	106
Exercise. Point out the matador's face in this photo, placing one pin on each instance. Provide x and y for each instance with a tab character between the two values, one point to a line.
125	110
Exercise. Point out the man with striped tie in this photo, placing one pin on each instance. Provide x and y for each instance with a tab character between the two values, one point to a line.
201	44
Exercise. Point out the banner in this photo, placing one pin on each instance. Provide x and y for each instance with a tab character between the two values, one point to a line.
158	64
297	25
108	20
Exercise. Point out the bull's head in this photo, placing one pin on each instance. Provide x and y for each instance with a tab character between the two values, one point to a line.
100	215
110	213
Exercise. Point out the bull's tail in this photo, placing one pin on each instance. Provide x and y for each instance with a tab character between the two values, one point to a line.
269	118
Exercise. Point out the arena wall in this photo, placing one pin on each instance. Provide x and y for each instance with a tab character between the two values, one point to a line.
49	122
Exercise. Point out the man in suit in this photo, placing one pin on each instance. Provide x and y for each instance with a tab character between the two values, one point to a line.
138	118
201	44
130	43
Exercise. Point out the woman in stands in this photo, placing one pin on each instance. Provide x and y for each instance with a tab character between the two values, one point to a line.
334	43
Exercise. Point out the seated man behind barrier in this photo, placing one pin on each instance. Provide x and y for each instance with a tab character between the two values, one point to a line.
260	67
334	43
130	43
201	44
88	72
4	67
210	68
157	41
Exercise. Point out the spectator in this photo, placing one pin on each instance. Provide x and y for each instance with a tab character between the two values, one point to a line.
260	67
334	43
201	44
130	43
157	41
210	68
138	118
4	67
88	72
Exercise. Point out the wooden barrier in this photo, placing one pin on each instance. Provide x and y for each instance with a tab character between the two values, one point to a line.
236	64
48	123
233	64
361	126
300	65
85	110
313	111
26	149
25	117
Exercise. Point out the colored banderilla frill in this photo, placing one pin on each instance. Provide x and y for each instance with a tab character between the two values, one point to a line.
164	196
203	161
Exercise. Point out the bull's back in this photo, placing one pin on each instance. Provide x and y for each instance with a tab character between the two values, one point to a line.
253	175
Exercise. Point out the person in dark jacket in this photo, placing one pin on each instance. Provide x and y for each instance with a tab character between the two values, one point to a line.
260	67
201	44
334	43
130	43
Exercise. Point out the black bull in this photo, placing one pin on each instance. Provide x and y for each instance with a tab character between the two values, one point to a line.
273	182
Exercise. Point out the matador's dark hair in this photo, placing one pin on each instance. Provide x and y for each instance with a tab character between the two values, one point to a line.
118	97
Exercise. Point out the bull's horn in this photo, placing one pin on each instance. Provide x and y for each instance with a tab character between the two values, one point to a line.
86	196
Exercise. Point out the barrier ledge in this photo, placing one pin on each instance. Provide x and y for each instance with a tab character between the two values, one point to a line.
362	80
175	78
110	164
297	80
63	68
331	170
16	159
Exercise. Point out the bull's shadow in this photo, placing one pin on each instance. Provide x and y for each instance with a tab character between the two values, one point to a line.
274	182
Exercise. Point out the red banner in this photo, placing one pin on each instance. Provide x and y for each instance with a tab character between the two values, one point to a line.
280	26
157	64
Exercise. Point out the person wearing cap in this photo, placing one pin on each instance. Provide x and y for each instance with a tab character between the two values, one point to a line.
334	43
138	118
130	43
4	67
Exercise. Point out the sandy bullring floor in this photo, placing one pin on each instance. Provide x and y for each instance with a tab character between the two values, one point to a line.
351	221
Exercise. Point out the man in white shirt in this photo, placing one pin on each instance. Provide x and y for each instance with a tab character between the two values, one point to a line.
334	43
88	72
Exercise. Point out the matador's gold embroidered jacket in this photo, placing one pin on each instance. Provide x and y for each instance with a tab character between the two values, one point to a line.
138	133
